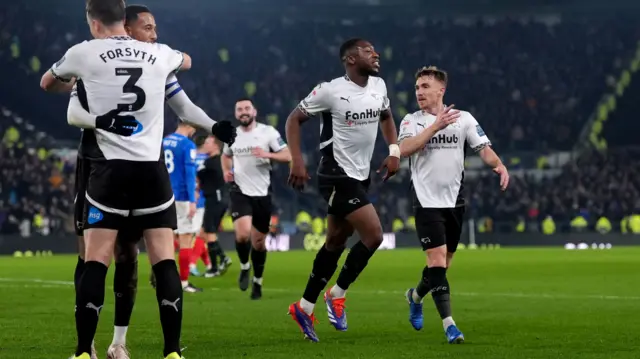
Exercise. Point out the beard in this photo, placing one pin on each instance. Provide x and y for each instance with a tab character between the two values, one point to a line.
246	120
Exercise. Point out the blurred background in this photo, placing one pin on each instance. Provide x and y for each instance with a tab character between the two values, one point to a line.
555	85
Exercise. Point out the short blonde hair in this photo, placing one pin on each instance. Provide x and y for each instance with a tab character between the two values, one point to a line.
437	73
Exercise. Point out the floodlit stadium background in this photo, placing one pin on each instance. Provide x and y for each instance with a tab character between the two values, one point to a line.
553	83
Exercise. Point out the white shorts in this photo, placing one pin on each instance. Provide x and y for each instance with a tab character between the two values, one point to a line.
198	219
185	224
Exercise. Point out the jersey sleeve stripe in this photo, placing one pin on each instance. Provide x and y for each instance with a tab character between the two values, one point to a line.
168	86
59	78
174	92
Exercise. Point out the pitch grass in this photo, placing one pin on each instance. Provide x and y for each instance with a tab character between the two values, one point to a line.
510	303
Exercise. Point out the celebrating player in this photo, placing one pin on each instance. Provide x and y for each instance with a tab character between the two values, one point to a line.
434	138
247	164
139	24
180	158
128	184
214	201
352	107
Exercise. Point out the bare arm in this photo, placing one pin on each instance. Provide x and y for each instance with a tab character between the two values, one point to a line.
186	62
489	157
283	155
411	145
226	162
388	128
292	131
50	83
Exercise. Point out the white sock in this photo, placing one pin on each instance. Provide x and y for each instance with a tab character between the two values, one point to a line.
209	267
447	322
307	306
257	280
192	266
119	335
245	266
184	283
415	297
337	292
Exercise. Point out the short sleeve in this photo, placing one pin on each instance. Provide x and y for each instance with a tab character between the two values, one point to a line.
319	100
172	58
68	66
227	150
407	128
475	136
386	103
276	143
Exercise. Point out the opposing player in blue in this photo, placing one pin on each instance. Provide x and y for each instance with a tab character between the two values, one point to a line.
180	158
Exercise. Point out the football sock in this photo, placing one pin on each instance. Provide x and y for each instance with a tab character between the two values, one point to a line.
357	260
447	322
219	251
119	335
125	287
422	289
324	266
169	296
197	250
243	249
204	256
440	290
89	299
307	306
78	273
184	257
258	260
213	254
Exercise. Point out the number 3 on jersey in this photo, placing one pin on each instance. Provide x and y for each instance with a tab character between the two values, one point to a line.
169	161
130	86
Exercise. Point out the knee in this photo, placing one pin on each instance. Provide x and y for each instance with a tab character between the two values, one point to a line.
373	239
258	241
337	240
126	253
437	257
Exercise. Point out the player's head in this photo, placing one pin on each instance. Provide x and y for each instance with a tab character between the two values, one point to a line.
140	23
360	54
207	144
431	83
245	112
186	129
103	15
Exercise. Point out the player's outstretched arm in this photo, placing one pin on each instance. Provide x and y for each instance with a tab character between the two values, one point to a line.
77	116
50	83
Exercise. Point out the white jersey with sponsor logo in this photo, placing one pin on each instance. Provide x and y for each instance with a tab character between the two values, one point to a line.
350	119
437	170
250	173
120	72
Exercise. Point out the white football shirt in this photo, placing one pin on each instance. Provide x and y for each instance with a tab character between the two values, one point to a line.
120	72
350	119
250	173
437	170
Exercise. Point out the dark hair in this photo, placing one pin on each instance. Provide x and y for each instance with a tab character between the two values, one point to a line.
348	46
132	12
438	74
200	138
244	99
107	12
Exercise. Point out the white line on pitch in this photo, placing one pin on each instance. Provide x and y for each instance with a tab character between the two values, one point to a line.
43	283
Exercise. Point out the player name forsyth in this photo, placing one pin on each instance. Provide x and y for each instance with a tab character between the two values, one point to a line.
128	52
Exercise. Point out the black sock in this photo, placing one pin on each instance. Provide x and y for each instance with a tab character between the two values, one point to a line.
422	289
213	255
357	260
324	266
89	299
125	287
243	250
169	296
78	273
219	251
440	290
258	260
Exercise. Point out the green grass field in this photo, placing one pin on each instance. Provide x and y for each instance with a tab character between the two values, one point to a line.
510	303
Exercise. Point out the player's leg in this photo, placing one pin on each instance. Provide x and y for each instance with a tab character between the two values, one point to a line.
185	240
214	211
241	215
199	246
351	202
324	266
101	223
261	209
156	217
125	287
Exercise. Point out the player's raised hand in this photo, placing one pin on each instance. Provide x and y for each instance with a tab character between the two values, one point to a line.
224	131
392	165
298	175
113	122
445	117
504	176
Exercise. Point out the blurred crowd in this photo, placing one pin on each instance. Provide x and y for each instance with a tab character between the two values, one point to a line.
532	83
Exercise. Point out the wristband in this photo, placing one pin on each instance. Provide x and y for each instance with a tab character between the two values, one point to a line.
394	150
